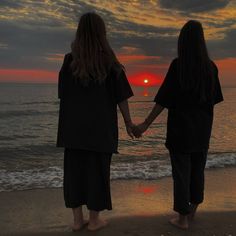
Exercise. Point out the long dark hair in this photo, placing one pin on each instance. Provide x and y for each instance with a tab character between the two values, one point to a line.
91	52
194	65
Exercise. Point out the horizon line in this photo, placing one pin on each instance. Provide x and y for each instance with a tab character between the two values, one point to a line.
55	83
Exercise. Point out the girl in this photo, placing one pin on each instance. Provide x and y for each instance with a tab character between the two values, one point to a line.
190	90
91	84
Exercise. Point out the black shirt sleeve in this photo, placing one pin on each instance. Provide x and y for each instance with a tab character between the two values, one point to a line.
62	75
167	92
218	96
123	89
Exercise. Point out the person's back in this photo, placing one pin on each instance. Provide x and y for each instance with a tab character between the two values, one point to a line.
189	118
91	84
89	113
189	91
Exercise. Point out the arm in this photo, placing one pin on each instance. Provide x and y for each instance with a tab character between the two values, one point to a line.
62	77
141	128
157	109
124	108
165	98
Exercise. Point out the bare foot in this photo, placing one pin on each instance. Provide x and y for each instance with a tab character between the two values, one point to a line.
179	223
96	225
79	226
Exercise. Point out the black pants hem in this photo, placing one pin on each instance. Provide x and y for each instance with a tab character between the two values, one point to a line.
87	179
88	207
181	212
196	202
188	177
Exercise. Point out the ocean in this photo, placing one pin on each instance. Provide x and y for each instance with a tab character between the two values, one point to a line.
30	159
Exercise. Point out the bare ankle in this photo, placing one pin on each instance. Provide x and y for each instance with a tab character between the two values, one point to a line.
183	218
193	211
93	216
78	215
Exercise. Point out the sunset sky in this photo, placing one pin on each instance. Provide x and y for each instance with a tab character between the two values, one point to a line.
35	35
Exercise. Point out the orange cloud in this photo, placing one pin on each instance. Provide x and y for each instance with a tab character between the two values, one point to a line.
55	57
134	58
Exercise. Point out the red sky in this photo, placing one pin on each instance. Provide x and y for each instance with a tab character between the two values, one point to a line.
226	73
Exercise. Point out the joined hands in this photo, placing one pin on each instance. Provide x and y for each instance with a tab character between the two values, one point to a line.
135	130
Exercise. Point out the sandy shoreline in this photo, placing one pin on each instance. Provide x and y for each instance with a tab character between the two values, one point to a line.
139	207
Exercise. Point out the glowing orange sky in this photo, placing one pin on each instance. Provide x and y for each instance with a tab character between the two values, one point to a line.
225	66
18	75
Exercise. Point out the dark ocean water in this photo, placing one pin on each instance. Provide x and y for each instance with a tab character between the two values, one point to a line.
29	157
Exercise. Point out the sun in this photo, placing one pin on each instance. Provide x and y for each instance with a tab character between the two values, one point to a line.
145	81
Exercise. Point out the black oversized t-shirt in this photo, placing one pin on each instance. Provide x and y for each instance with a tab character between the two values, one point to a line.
189	123
88	115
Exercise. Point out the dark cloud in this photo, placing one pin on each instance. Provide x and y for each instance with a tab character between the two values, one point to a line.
11	4
30	43
223	48
222	24
152	40
28	47
194	5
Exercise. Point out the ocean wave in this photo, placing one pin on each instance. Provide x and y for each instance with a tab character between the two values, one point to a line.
52	177
19	113
30	179
40	102
19	103
16	136
221	160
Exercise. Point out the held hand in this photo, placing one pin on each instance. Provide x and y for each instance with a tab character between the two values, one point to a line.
129	128
140	129
136	131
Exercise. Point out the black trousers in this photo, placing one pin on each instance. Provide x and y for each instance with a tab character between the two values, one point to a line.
188	176
87	179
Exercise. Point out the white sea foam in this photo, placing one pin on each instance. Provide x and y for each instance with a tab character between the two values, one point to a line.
221	160
53	176
28	179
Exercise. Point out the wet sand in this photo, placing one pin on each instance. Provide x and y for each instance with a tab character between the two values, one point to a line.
139	208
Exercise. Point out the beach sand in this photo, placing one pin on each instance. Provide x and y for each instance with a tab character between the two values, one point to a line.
139	208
